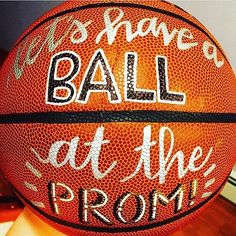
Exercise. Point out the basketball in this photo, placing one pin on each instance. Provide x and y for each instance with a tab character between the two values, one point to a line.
117	117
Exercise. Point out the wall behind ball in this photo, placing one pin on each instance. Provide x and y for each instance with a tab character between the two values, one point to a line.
217	15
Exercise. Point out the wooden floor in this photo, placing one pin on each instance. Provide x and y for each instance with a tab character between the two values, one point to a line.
218	220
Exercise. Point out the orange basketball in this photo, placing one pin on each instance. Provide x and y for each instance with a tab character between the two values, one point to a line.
117	117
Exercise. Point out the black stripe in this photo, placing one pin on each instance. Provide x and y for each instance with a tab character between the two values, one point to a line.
232	181
130	5
7	199
115	229
117	116
232	178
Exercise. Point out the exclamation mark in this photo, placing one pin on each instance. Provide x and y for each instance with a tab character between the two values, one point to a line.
192	192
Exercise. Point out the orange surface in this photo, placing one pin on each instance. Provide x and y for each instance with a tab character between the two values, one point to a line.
207	88
29	224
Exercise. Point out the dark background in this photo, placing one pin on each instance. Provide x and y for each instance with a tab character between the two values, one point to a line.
16	16
219	16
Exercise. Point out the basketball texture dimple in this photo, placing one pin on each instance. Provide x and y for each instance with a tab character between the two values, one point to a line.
117	117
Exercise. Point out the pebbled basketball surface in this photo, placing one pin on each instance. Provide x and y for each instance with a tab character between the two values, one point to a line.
117	117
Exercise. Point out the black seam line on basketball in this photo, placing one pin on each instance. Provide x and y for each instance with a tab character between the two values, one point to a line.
116	229
117	116
129	5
